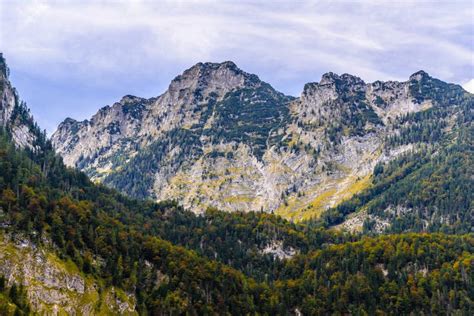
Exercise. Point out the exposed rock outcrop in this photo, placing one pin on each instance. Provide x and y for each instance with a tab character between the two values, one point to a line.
56	287
14	115
221	137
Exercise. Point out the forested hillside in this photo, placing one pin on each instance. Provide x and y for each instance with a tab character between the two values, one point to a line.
393	274
118	240
430	188
74	247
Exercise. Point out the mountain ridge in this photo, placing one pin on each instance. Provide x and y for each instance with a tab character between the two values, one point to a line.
220	137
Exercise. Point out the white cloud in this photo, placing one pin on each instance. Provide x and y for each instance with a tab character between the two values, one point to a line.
469	86
100	36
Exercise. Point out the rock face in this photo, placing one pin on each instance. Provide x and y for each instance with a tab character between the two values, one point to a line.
55	287
134	122
221	137
14	115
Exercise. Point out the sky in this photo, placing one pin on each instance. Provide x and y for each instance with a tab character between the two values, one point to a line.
70	58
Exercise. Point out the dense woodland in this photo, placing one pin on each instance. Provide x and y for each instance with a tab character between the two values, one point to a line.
392	274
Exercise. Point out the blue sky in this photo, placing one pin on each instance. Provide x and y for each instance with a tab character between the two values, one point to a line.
70	58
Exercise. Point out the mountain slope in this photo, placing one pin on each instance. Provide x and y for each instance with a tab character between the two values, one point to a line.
393	274
85	230
171	261
54	285
430	188
58	216
105	236
219	137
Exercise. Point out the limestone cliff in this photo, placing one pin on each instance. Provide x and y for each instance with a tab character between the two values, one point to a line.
221	137
14	115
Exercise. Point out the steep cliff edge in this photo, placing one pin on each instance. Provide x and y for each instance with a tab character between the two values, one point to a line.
15	115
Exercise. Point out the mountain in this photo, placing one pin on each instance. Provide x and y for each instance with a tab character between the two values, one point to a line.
429	188
15	115
70	246
220	137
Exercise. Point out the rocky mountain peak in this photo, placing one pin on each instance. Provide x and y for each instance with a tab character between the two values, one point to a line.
332	82
120	127
205	78
203	69
352	80
68	121
419	75
127	99
213	66
331	87
331	78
